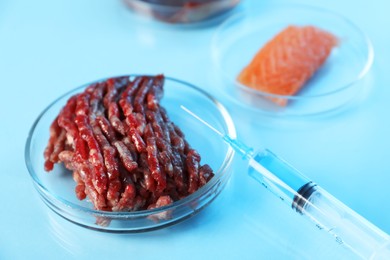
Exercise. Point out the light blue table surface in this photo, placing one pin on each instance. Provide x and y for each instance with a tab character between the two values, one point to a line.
49	47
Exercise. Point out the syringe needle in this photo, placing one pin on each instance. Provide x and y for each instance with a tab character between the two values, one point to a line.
201	120
307	198
238	146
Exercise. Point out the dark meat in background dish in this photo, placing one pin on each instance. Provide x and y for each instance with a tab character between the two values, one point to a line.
181	11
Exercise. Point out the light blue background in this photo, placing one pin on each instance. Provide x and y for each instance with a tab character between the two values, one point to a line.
49	47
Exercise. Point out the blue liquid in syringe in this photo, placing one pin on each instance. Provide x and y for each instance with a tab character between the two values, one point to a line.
276	175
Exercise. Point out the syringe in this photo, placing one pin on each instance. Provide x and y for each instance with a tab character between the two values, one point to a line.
348	228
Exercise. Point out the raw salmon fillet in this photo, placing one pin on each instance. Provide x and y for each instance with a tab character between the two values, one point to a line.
287	61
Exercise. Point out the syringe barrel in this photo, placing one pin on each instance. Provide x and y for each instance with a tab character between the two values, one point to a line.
283	180
347	227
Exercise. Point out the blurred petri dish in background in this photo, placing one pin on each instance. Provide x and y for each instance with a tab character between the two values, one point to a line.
181	11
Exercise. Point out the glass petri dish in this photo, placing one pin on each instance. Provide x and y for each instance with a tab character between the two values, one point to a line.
181	11
56	188
334	85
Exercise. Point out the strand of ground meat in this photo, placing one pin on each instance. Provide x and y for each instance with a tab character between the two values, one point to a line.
123	150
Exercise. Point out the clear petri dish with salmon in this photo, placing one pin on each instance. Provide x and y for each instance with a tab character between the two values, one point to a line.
290	60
